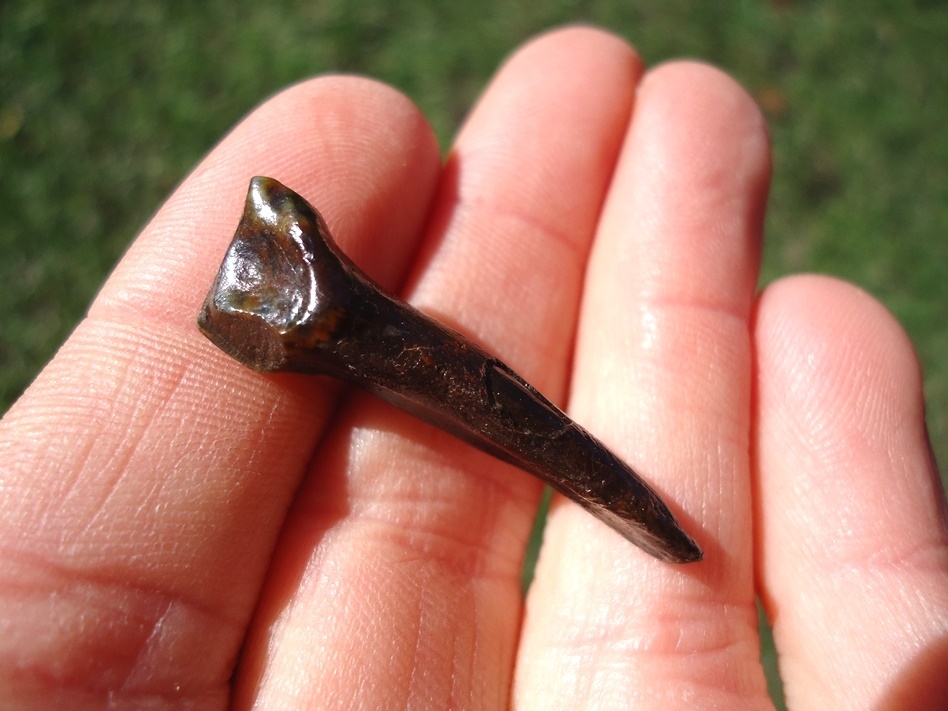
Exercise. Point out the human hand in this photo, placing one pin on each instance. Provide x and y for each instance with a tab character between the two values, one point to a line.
181	531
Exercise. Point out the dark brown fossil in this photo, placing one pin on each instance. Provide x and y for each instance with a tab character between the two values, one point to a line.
286	298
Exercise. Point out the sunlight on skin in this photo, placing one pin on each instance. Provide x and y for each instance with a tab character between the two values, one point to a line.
181	531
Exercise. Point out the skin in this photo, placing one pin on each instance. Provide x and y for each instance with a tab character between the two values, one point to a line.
179	531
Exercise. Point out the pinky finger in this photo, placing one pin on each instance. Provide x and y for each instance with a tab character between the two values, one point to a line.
852	542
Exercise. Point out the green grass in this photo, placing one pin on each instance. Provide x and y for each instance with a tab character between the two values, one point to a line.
105	106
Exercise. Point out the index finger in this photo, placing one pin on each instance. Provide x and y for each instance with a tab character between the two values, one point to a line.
146	476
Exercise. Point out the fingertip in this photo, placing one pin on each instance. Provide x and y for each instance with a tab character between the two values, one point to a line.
840	412
717	104
695	171
826	344
358	150
841	438
850	509
577	40
570	68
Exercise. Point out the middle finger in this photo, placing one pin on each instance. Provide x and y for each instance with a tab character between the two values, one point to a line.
397	582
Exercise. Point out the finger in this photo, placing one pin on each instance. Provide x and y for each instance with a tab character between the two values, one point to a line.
146	475
853	545
663	375
398	578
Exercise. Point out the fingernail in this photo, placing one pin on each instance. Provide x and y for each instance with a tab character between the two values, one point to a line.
287	299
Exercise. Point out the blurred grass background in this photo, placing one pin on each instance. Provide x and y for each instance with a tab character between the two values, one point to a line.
105	106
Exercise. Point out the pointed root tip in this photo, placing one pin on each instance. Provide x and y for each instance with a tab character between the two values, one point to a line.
679	547
662	538
689	554
673	547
